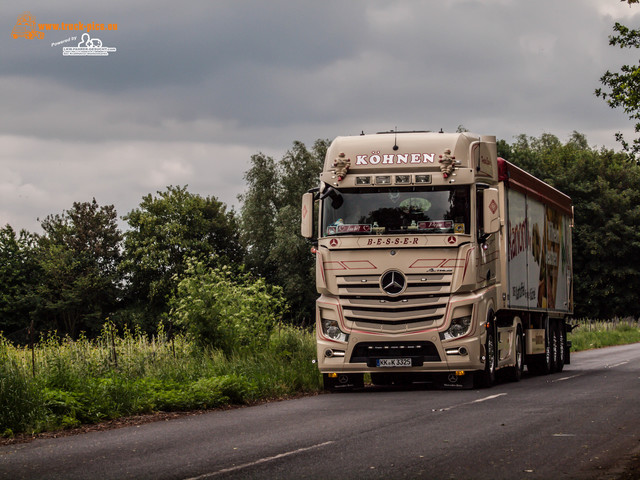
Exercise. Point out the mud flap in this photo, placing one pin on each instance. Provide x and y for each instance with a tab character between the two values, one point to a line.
343	381
454	381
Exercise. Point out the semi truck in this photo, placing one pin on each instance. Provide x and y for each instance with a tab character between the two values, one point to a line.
436	261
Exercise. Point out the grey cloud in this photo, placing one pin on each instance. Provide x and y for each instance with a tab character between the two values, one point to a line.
194	89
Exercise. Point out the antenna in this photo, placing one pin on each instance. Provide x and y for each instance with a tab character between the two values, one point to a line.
395	139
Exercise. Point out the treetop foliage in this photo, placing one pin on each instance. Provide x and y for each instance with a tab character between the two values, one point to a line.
19	276
270	222
623	87
165	231
78	256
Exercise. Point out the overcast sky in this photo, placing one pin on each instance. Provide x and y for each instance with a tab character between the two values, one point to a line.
195	88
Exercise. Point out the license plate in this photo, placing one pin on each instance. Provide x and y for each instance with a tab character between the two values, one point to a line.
393	362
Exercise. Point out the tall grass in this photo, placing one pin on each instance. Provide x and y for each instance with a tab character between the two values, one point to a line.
599	333
88	381
21	402
64	383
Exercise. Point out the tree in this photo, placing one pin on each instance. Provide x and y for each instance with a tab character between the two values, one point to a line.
606	194
19	276
270	216
624	86
78	256
258	213
165	231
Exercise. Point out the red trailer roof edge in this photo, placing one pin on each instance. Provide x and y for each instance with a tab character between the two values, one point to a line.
524	182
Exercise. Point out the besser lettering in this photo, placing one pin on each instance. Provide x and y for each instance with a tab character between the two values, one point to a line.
392	241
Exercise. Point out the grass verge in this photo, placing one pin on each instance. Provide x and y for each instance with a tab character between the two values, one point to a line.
64	383
592	334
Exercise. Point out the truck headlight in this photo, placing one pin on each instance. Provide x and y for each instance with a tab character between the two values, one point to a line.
331	329
459	327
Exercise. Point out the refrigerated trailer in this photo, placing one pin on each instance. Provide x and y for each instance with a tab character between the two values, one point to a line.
436	261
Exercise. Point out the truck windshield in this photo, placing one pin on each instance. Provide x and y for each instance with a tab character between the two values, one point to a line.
407	210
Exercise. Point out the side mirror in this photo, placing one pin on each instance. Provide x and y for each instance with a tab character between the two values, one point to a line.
306	226
334	195
491	213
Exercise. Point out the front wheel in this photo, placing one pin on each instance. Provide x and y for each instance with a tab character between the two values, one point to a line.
487	377
381	379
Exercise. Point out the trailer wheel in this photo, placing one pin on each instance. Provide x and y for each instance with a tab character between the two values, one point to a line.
560	335
543	364
553	346
487	377
514	373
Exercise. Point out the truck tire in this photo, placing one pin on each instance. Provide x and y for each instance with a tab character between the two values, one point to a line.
514	374
543	364
381	379
487	377
553	346
561	336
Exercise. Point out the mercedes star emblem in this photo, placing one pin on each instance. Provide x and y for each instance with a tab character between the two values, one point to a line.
393	282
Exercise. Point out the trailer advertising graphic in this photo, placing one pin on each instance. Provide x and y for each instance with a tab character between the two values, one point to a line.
538	238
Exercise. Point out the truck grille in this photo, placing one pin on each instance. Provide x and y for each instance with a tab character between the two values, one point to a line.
423	351
422	304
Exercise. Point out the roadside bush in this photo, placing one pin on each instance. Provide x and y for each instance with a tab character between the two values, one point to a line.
225	310
21	400
88	381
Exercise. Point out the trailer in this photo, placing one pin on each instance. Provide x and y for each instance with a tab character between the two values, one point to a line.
436	261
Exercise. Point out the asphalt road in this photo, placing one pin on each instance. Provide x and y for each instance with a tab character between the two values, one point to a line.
582	423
